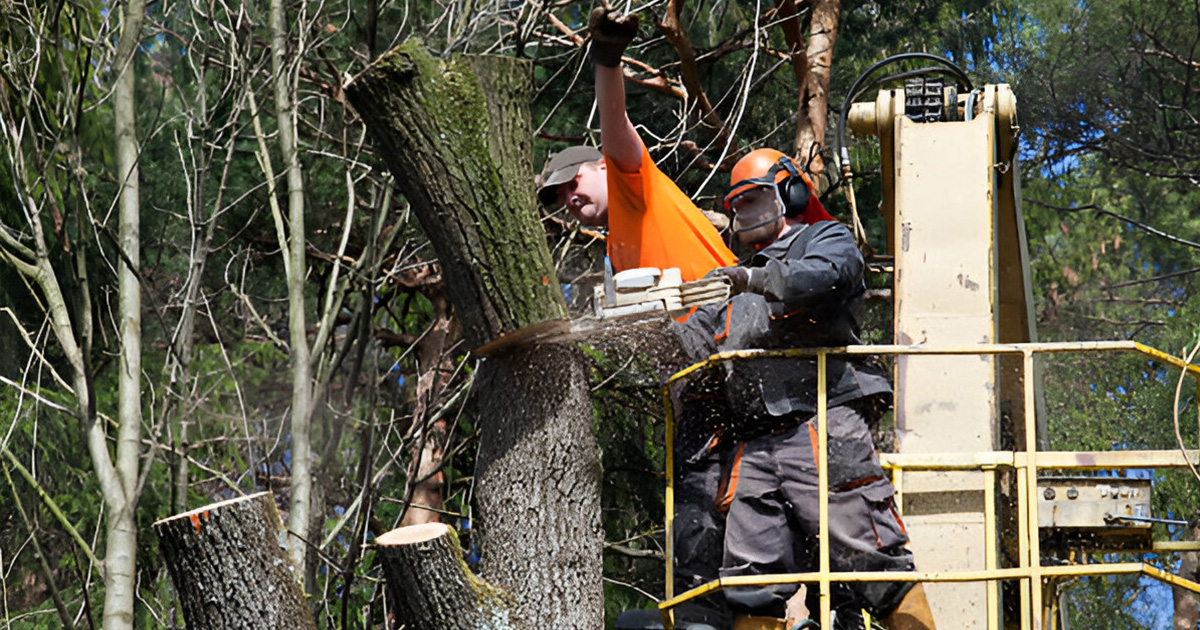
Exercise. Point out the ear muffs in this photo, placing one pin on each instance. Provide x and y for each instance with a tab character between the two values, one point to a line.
793	191
795	194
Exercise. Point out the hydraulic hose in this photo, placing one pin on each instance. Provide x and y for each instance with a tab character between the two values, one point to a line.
858	87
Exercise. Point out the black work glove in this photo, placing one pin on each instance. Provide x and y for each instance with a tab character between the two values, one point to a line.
610	36
741	279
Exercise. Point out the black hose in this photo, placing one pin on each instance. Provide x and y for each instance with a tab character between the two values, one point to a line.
857	88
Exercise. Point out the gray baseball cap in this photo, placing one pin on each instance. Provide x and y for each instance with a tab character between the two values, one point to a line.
561	168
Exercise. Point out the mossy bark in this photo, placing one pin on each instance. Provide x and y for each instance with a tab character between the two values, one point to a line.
417	557
229	569
457	138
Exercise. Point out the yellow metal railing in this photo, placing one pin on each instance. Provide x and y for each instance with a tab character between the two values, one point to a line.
1026	464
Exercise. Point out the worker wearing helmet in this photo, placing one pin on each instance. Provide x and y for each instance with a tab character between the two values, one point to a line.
802	288
766	189
651	223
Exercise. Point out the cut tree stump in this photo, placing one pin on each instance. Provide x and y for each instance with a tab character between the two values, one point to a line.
228	567
417	557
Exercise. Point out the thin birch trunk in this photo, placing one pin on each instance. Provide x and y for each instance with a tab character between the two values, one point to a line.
299	506
120	555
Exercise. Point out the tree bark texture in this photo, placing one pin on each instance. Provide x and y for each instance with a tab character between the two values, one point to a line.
430	586
229	569
814	93
538	486
456	136
300	496
1187	604
672	28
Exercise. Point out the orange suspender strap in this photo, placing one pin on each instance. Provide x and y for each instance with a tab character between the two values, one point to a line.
814	439
900	521
729	486
728	315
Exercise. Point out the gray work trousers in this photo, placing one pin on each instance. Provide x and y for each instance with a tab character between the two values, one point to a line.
699	534
773	517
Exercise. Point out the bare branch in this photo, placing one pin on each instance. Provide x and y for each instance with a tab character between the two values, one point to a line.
1138	224
673	30
50	504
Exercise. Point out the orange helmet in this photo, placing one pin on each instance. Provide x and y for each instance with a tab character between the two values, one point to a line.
760	167
768	167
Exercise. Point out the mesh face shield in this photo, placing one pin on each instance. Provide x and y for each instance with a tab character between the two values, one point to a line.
757	213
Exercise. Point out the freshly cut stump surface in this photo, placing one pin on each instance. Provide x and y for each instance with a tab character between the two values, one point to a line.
229	569
429	584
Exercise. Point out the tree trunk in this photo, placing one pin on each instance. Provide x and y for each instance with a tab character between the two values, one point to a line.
120	553
229	569
300	497
431	586
457	138
538	470
672	28
814	92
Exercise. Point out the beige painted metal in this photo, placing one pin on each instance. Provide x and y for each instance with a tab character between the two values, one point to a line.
1015	304
947	292
952	208
876	119
1092	502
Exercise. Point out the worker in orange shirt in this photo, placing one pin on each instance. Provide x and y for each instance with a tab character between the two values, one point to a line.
651	222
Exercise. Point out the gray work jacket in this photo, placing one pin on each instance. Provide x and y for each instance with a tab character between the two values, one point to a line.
805	291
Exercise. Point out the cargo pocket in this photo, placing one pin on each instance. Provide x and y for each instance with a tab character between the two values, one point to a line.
888	527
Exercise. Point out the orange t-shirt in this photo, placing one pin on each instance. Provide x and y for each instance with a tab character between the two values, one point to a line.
651	223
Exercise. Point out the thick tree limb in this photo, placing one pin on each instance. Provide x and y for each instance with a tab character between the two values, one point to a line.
672	29
430	121
799	56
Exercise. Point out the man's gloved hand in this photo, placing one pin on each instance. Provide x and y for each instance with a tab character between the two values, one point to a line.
740	278
610	36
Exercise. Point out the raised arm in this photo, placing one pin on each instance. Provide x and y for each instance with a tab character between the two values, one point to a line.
610	36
